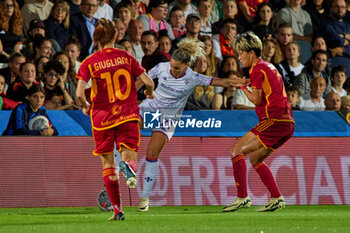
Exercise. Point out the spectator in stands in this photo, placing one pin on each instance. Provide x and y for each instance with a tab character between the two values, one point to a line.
139	7
68	77
224	42
284	35
318	43
12	72
193	27
202	96
228	65
290	67
337	34
204	9
347	14
135	31
104	10
177	21
57	24
74	6
229	12
318	11
298	18
54	85
271	51
223	100
126	45
39	65
5	103
72	48
37	27
332	101
42	47
121	29
185	5
19	90
293	94
10	27
36	9
241	102
216	11
153	55
247	12
125	12
316	69
164	43
264	17
338	77
82	26
154	20
23	114
345	103
213	62
313	100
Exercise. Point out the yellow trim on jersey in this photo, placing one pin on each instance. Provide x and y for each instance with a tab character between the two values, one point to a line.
91	72
268	90
283	120
116	124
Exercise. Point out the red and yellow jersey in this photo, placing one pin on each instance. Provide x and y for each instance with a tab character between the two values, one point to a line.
274	104
113	93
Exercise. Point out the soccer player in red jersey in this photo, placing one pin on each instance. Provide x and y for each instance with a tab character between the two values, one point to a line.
276	124
114	109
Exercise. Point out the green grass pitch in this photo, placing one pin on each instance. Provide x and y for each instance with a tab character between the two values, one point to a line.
322	218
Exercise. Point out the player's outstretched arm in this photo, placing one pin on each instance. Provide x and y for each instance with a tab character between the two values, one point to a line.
230	82
148	82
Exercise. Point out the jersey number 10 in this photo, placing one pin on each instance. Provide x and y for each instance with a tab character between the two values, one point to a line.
113	84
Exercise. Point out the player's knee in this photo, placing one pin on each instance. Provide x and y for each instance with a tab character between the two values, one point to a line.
235	150
254	160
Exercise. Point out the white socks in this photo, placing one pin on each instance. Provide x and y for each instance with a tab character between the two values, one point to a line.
149	176
117	159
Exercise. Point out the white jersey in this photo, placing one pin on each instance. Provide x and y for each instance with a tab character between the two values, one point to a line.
172	93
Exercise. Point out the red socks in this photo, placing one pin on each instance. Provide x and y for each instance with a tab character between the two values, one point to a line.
240	174
112	187
267	178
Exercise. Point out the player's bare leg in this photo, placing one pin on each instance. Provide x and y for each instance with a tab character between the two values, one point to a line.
111	182
128	166
155	146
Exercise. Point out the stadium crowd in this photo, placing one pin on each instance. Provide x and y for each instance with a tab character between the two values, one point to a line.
43	43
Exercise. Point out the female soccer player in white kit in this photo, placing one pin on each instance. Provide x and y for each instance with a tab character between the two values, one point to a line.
176	82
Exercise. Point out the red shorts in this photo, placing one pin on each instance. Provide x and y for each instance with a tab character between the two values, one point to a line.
126	134
273	133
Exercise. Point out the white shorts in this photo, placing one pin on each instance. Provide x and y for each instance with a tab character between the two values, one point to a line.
165	124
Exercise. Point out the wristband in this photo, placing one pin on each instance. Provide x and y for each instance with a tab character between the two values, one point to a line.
244	88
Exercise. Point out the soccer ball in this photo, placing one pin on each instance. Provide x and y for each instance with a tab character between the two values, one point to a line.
103	201
38	123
